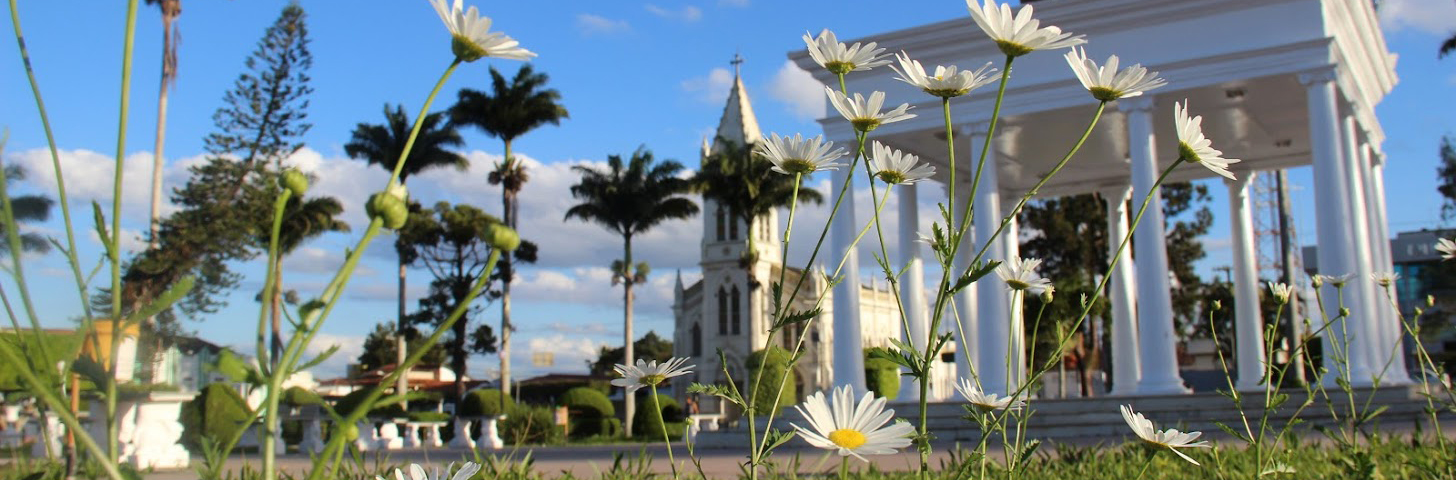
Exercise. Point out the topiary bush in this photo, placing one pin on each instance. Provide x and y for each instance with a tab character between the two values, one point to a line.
346	406
296	396
588	409
775	362
648	424
483	403
882	375
531	425
217	413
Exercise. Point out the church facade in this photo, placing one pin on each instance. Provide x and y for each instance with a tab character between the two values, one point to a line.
731	307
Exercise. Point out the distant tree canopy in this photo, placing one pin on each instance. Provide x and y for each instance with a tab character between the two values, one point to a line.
650	347
379	347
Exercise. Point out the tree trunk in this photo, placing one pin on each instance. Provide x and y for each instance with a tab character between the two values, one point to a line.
169	73
401	385
629	402
508	201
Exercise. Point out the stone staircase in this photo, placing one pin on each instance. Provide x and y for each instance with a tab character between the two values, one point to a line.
1080	419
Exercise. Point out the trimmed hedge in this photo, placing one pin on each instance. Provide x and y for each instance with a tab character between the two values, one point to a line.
346	406
296	396
647	424
882	376
483	403
775	363
589	409
217	412
531	425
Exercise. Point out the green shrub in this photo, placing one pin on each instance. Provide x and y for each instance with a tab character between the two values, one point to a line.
429	416
646	423
775	362
296	396
217	412
346	406
483	403
588	408
531	425
882	375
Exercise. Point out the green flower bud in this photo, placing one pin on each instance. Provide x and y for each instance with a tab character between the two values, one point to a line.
1344	312
397	190
349	431
389	208
503	238
295	181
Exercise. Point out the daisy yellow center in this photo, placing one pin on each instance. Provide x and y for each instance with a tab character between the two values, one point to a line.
846	438
653	379
891	176
946	92
1017	284
1105	94
798	165
865	124
839	68
1013	49
466	49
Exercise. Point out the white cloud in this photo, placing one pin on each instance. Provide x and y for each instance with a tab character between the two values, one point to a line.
571	353
89	177
802	94
710	88
1435	17
686	14
590	25
350	346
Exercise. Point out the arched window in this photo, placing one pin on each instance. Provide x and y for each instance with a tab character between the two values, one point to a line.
737	318
733	228
718	219
722	311
696	334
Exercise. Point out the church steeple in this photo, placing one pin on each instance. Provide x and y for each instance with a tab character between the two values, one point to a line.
738	123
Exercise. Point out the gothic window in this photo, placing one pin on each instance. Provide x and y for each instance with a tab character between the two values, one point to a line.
697	340
722	311
718	219
733	228
737	319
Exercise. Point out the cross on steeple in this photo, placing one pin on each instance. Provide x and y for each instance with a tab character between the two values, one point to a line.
736	62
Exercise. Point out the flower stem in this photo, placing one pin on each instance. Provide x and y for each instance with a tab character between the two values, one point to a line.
1144	470
420	120
950	188
279	371
657	405
117	328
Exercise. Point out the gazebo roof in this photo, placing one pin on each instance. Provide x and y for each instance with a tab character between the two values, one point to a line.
1236	61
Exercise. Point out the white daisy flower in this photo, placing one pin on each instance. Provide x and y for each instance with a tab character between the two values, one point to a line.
1171	438
1106	82
471	37
947	82
1447	248
839	59
416	472
1193	147
986	402
1384	279
649	374
865	114
1338	281
1020	34
791	155
1280	291
850	428
896	167
1020	274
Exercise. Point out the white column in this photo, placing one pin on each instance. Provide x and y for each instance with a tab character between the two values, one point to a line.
1126	370
848	343
1157	341
1365	315
993	311
965	300
912	282
1390	320
1248	322
1333	225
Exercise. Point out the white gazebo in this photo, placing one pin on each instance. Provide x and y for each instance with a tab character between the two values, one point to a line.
1280	84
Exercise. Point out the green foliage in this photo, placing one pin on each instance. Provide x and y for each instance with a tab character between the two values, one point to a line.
550	393
483	403
27	209
379	347
52	345
531	425
588	410
511	109
1446	173
346	406
882	375
296	396
775	363
382	144
649	347
649	424
428	416
217	413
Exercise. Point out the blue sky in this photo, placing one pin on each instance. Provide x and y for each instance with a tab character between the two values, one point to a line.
631	74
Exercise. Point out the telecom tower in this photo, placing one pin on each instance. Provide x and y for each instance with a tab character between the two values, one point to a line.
1278	254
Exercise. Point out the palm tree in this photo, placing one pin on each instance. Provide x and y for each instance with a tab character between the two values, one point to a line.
740	181
508	111
303	219
171	9
27	208
1447	47
382	145
630	201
